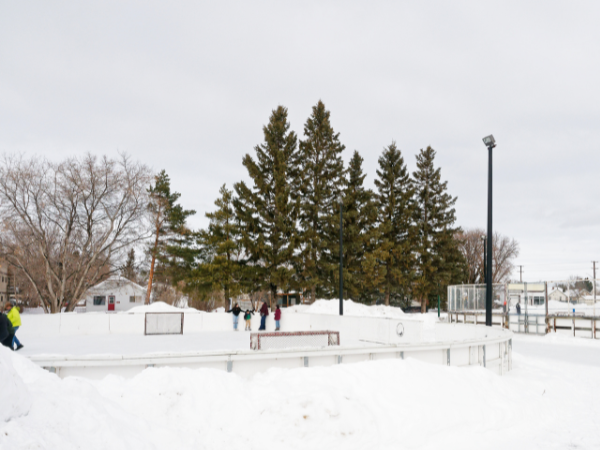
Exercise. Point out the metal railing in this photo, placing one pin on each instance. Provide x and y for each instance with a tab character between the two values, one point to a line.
539	324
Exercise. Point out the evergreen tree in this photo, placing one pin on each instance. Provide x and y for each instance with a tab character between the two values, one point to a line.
393	246
172	238
322	179
129	270
360	216
438	255
267	211
221	243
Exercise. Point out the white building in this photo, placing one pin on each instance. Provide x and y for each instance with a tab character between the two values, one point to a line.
533	293
114	294
558	295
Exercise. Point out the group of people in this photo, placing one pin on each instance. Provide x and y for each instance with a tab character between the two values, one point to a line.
264	312
9	324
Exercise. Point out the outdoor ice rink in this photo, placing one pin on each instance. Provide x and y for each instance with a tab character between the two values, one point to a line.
549	400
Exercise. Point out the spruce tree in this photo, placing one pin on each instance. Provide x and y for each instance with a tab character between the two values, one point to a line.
129	269
222	268
360	216
393	251
267	211
438	255
172	238
321	180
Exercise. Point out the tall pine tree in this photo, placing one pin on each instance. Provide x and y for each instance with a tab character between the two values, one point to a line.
438	255
222	269
171	235
321	180
360	216
395	226
267	211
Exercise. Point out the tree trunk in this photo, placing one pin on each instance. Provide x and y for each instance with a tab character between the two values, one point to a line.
423	306
313	294
387	296
151	274
273	297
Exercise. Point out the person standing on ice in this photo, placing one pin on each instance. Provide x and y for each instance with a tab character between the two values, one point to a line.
248	318
12	312
277	318
236	310
518	306
264	312
7	332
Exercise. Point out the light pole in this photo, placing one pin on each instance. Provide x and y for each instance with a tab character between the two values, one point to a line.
340	201
490	143
483	238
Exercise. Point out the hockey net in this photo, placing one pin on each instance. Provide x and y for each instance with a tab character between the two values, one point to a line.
293	339
163	323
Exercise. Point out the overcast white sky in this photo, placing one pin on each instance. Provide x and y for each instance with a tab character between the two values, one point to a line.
187	87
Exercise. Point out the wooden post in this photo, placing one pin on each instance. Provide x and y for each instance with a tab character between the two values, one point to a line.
546	302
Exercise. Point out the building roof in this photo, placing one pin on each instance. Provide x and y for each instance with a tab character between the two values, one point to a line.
118	281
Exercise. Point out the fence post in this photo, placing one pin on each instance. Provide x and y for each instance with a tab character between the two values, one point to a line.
546	303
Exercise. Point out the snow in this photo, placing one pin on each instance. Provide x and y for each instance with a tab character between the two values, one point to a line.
383	404
556	306
15	400
158	307
353	309
127	344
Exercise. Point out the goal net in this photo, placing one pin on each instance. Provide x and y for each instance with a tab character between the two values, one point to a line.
163	323
293	339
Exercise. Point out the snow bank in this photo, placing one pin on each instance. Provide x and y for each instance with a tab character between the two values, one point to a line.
376	404
158	307
353	309
15	399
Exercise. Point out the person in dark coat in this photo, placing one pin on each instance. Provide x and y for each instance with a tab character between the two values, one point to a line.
236	310
518	306
248	318
7	332
277	318
264	312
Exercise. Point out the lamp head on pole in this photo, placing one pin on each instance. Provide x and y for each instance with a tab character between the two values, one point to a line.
340	199
489	141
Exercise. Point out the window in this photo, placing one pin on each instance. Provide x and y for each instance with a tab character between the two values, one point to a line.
538	300
133	298
99	300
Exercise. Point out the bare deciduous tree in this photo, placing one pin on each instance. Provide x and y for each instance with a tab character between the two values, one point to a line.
505	250
63	223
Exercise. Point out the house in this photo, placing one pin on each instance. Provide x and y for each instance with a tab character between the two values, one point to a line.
536	293
558	295
114	294
3	282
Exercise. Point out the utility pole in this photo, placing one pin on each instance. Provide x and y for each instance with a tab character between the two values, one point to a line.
594	264
520	274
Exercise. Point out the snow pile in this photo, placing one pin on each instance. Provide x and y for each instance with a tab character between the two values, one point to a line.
556	306
541	404
15	399
158	307
353	309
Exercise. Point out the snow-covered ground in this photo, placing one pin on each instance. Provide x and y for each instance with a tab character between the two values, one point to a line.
131	344
550	399
353	309
546	402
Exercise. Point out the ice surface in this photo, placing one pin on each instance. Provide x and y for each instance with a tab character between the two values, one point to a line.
127	344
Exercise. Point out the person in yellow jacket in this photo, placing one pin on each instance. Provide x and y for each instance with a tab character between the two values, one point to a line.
12	312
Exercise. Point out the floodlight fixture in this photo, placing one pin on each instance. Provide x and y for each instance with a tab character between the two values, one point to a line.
489	141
